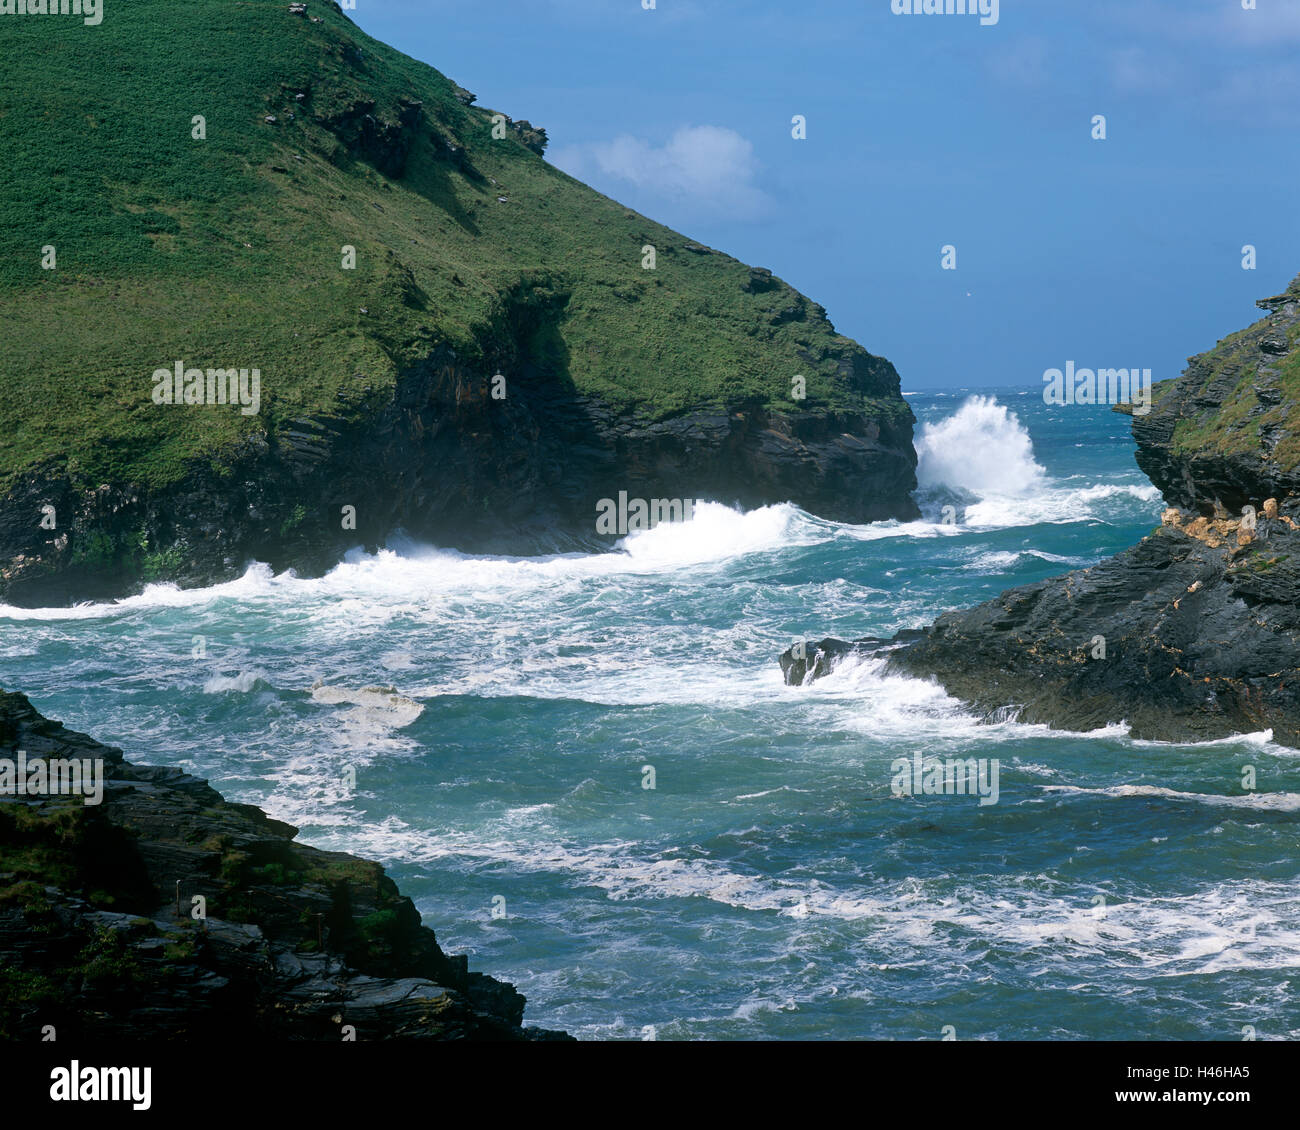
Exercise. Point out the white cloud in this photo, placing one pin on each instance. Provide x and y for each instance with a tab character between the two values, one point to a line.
1274	23
1025	62
709	169
1134	70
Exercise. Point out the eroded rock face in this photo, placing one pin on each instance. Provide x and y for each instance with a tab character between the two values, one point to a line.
1181	639
1192	634
381	138
1223	431
297	943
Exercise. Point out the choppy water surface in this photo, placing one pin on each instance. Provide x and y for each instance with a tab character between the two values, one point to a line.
770	885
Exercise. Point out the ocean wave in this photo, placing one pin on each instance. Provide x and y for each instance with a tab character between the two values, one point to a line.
242	683
1261	802
1059	504
999	561
1236	925
982	448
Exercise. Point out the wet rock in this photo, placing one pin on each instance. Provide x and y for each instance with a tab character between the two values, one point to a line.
1194	633
98	940
1184	637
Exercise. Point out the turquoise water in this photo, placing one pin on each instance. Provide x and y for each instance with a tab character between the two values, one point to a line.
770	885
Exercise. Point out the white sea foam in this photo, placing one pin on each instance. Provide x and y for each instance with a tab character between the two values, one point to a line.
999	561
1242	925
257	580
983	448
244	682
1006	486
983	453
1055	504
382	706
1259	801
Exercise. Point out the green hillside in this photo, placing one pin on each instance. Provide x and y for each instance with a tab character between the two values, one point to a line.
227	251
1249	411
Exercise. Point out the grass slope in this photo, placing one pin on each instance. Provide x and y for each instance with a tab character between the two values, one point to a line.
1237	423
227	252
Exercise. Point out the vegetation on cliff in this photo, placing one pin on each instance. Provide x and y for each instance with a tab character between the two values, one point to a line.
450	335
1222	434
227	250
164	910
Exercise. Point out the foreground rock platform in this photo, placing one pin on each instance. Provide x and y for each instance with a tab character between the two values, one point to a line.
297	943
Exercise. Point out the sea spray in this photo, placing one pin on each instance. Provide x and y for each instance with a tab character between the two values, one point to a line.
983	449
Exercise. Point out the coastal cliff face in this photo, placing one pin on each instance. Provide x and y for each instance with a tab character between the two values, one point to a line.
296	943
443	462
1192	634
1222	436
451	337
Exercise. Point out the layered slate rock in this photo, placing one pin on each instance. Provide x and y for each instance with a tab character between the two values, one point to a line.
1224	432
1192	634
297	943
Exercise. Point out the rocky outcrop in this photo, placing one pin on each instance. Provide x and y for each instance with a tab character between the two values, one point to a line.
383	140
1192	634
167	912
1223	433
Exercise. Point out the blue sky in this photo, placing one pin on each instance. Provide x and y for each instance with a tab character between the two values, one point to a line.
925	131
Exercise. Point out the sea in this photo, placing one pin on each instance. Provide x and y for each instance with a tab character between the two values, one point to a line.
590	777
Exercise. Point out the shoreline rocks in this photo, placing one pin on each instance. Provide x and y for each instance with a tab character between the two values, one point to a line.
444	462
1185	638
294	943
1191	635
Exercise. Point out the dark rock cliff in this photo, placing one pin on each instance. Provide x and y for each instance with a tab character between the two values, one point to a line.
1222	432
297	943
444	459
1192	634
446	462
